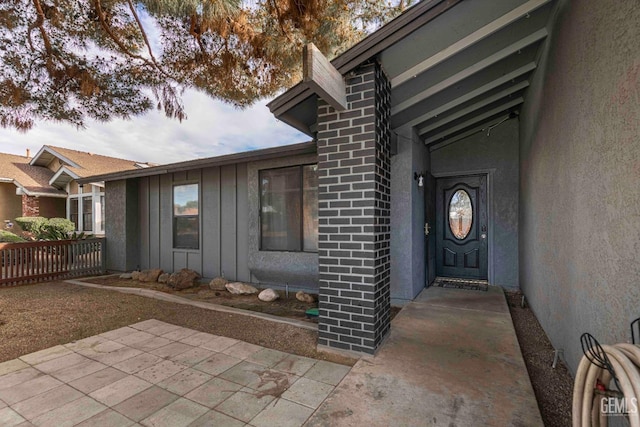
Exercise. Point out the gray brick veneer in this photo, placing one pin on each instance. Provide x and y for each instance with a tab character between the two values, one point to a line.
354	209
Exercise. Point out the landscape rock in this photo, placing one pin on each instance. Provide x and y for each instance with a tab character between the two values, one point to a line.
135	275
304	297
183	279
268	295
163	278
126	276
237	288
218	284
149	275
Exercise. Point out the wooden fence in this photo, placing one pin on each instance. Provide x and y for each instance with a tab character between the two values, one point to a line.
57	259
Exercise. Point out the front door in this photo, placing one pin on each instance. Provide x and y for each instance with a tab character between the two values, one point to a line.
461	227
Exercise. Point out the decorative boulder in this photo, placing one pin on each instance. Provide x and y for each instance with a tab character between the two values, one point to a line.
237	288
268	295
218	284
149	275
183	279
163	278
135	275
126	276
304	297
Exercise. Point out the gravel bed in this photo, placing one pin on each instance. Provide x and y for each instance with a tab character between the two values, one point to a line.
553	387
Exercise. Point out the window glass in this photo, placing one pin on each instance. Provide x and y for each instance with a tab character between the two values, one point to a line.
460	214
185	199
186	222
87	213
102	210
280	206
73	212
310	207
289	209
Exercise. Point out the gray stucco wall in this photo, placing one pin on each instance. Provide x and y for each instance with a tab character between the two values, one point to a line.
498	154
408	243
580	177
121	207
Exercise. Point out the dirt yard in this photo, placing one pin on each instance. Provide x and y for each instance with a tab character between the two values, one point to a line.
284	306
35	317
553	387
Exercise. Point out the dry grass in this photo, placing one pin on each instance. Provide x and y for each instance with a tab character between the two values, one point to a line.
553	387
35	317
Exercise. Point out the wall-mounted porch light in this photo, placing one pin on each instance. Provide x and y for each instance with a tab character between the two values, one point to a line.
419	177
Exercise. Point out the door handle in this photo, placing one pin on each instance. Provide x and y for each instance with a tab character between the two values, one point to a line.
484	232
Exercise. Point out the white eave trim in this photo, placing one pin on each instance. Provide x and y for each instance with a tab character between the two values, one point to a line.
53	153
62	170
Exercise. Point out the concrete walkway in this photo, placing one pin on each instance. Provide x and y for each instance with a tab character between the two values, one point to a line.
452	359
157	374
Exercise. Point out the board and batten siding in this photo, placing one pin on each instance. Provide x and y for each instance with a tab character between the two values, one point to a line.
224	217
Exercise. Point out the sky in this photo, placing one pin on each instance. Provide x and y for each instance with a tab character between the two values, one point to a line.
212	128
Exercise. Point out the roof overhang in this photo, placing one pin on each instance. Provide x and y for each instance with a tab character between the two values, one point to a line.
454	66
46	154
244	157
61	178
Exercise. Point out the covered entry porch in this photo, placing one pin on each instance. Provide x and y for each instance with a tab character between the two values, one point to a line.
420	114
540	97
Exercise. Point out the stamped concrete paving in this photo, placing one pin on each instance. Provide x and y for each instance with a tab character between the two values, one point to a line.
452	359
157	374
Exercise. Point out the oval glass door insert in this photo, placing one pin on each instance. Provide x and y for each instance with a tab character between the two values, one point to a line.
460	214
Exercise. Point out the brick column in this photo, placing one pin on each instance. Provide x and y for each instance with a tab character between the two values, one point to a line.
354	208
30	206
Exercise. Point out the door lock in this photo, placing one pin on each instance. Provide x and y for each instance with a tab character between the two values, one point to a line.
484	232
427	228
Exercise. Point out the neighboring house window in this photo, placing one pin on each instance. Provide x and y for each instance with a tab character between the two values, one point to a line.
74	213
84	212
289	209
186	220
87	213
102	211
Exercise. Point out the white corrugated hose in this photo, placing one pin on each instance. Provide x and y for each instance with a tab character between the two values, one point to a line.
587	410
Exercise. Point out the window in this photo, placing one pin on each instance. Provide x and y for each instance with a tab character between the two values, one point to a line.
73	212
102	211
186	221
87	213
86	208
460	214
289	209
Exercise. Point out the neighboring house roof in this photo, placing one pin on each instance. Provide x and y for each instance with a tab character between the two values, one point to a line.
454	67
33	180
34	177
78	164
228	159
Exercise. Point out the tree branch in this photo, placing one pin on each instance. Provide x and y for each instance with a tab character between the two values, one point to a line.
121	45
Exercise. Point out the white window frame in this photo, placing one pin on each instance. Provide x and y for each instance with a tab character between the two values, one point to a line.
96	215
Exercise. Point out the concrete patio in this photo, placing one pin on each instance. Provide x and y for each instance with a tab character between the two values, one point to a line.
157	374
452	359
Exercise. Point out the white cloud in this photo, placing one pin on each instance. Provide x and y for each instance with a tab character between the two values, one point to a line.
212	128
